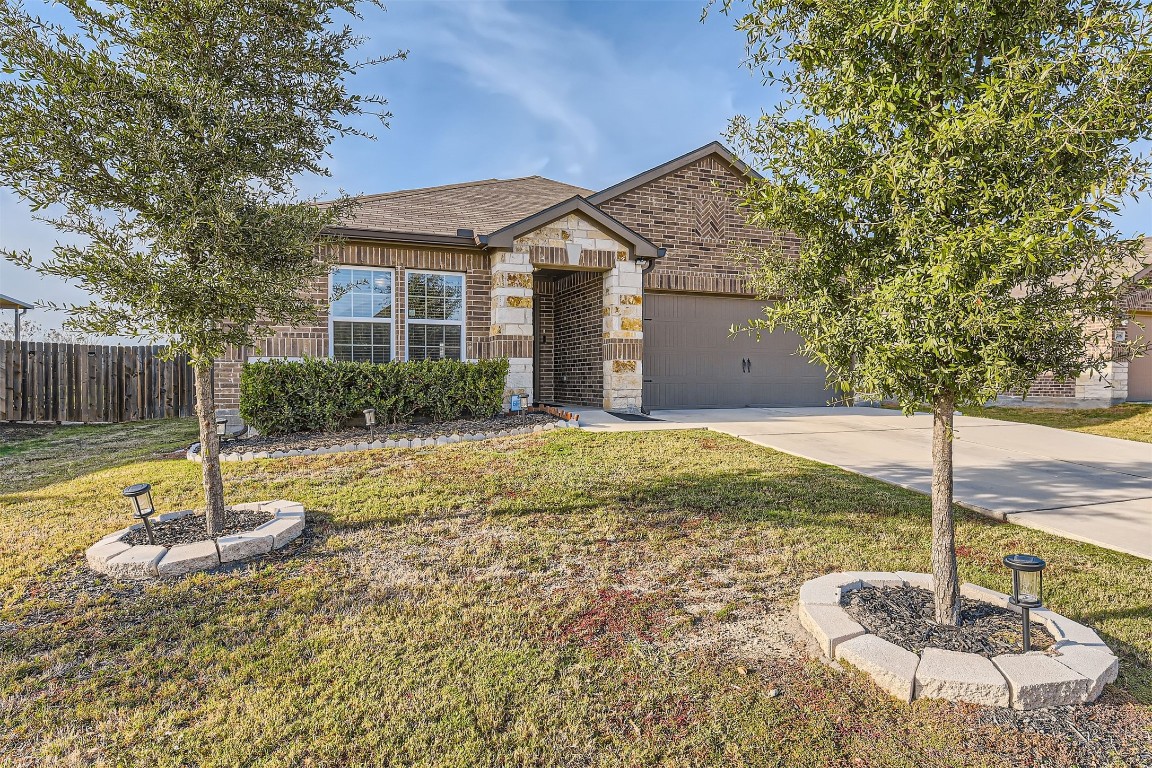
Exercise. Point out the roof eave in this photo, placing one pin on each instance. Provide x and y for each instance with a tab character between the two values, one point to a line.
7	302
642	247
640	179
405	238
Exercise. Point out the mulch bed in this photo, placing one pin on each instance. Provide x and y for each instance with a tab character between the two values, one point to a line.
190	528
311	440
904	616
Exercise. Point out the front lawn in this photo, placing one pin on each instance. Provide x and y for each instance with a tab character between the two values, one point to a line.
568	599
1127	421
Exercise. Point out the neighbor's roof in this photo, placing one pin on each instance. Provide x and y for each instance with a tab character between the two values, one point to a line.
7	302
482	206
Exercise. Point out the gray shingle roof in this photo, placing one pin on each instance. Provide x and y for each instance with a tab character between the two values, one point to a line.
482	206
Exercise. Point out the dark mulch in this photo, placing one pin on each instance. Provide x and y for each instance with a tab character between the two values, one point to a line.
302	440
190	528
1107	733
904	616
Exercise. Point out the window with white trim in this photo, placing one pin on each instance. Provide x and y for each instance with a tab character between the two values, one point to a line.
360	314
435	315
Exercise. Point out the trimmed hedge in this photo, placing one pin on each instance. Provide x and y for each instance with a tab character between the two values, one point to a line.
278	397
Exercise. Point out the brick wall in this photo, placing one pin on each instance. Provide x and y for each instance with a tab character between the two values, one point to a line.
1050	386
544	290
578	333
692	213
312	341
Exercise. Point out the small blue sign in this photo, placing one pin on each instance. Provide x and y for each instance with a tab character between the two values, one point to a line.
515	407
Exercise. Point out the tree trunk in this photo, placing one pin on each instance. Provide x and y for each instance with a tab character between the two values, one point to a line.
947	583
209	451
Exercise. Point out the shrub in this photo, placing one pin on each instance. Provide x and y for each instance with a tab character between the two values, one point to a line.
278	397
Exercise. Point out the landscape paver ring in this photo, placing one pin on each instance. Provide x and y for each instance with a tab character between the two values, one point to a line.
1074	671
114	557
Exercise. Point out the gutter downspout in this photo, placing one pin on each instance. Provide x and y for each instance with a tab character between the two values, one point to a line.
17	314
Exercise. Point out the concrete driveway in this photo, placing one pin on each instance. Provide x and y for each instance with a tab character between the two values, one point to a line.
1084	487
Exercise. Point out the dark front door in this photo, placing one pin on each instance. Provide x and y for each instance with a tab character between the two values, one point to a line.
690	360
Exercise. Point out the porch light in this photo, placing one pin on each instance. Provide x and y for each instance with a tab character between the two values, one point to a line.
1027	588
142	507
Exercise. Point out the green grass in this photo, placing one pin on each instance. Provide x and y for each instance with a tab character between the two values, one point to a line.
567	599
1128	421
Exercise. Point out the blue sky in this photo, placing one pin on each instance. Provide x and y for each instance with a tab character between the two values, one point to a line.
584	92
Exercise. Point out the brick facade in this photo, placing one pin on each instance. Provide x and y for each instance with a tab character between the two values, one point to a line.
578	333
691	212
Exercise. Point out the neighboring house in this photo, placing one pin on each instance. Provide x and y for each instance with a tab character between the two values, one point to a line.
617	299
620	299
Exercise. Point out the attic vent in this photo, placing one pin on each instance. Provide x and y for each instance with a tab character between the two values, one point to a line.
711	221
465	233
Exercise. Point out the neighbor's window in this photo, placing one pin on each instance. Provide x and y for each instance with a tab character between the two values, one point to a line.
435	316
361	314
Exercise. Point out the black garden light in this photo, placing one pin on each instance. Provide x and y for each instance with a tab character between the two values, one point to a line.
1027	588
142	507
370	421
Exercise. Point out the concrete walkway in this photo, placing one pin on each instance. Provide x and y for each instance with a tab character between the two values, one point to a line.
1083	487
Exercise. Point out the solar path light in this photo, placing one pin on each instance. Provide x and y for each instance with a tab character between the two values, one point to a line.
142	506
1027	588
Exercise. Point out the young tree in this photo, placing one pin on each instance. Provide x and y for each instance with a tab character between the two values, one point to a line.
167	136
950	169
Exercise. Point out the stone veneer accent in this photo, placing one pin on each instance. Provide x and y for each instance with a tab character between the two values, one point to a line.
1074	672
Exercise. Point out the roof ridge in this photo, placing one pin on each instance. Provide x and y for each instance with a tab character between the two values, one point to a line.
460	185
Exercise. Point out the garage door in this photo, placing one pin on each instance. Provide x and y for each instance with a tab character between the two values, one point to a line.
1140	369
690	361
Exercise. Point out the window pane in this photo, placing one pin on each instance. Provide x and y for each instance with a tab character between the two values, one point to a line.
361	293
364	342
434	342
435	297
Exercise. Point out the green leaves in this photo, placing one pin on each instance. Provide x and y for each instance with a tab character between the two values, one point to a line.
950	170
279	397
167	138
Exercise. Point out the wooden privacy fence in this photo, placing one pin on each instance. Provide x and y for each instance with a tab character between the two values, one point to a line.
40	381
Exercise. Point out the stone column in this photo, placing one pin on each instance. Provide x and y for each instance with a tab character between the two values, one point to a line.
623	335
1108	387
511	332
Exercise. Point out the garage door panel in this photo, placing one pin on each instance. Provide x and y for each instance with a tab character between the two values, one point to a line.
690	359
1140	368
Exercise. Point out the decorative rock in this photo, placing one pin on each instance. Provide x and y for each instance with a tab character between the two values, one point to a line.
117	535
282	530
828	589
890	666
243	545
283	508
135	562
538	428
1094	663
830	625
875	579
1037	680
976	592
921	580
186	558
102	551
960	677
1063	628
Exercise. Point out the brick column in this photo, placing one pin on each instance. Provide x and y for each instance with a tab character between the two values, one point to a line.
623	335
511	332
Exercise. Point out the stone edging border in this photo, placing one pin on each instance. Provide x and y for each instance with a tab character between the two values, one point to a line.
112	557
1074	671
417	442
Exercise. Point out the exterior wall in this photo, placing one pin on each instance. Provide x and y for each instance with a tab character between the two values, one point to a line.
312	340
578	329
544	299
588	366
692	213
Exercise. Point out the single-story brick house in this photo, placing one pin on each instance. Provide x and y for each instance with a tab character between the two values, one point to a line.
618	299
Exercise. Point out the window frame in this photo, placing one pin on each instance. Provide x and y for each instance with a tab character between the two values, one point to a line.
391	321
462	322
